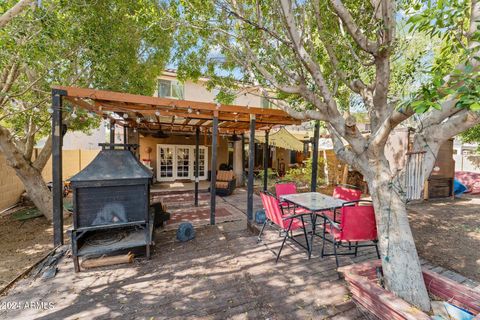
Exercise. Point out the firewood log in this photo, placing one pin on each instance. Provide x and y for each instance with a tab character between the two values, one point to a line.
107	261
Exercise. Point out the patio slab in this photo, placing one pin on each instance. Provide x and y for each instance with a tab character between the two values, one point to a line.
223	273
180	204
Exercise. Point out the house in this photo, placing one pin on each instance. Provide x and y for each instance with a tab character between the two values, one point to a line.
78	140
171	153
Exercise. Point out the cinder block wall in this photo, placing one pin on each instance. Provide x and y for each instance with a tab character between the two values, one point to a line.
11	188
72	162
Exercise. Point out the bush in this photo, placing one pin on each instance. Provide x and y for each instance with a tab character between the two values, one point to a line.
303	176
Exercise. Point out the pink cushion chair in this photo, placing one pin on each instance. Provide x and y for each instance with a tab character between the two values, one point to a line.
285	223
357	224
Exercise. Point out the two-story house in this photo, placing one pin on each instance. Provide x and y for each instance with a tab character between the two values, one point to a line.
171	154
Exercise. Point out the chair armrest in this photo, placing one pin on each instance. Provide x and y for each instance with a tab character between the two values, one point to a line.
350	186
296	216
349	203
270	194
332	223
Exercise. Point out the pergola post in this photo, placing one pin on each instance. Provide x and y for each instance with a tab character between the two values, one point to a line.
243	159
57	179
315	156
112	134
125	137
197	165
251	164
213	178
265	162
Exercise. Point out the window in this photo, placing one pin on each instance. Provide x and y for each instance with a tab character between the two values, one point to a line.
293	156
171	89
267	104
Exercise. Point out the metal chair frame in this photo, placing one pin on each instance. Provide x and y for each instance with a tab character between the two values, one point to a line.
288	231
336	244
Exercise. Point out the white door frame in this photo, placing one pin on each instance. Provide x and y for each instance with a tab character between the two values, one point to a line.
191	148
174	173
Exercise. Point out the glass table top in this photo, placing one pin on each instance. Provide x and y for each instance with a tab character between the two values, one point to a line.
313	201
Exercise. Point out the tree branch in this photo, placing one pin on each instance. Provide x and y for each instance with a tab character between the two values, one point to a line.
44	155
14	11
456	124
352	28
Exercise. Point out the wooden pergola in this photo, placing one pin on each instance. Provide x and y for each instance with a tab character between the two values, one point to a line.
155	113
136	111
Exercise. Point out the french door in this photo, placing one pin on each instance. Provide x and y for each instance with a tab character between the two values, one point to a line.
165	163
184	161
178	162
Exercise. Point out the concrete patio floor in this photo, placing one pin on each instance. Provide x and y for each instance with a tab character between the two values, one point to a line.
222	273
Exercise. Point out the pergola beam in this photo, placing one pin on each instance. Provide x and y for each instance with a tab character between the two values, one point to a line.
222	116
99	95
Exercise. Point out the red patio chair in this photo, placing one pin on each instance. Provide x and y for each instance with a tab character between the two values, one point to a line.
283	189
343	192
285	223
286	188
357	225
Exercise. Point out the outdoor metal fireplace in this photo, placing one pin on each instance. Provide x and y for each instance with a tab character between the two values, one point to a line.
111	205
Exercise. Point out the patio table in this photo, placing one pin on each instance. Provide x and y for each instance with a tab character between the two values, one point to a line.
316	203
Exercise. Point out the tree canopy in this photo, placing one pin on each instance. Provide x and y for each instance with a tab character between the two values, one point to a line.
114	45
407	62
106	44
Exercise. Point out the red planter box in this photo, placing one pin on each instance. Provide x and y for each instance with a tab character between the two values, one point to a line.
385	305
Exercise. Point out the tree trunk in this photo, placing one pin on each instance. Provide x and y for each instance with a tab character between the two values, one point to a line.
400	262
30	173
36	188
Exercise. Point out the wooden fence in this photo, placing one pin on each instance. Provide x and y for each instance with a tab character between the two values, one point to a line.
414	176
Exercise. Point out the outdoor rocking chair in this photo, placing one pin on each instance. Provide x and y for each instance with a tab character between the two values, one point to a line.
357	225
285	223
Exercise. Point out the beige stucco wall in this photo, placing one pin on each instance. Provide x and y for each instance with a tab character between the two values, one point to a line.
151	142
11	188
197	91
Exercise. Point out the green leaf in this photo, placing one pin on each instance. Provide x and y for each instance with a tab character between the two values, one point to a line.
475	106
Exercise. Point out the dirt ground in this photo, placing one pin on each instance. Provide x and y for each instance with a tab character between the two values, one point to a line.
447	233
23	243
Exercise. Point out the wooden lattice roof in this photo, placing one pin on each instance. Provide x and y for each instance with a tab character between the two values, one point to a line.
156	113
